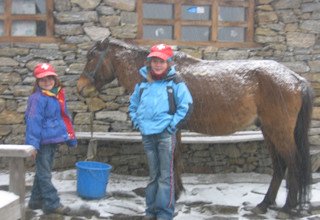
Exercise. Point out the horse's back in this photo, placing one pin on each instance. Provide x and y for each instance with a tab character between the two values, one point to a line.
231	95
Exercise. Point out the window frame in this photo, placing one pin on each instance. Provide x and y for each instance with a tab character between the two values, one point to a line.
8	19
213	23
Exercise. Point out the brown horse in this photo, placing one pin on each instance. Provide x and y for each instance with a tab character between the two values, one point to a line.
229	96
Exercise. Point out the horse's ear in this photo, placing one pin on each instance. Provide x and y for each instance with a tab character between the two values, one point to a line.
99	45
105	42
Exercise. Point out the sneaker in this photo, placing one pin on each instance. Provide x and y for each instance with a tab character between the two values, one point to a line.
149	217
34	205
62	210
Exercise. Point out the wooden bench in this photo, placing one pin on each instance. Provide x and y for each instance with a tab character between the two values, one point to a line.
193	138
186	137
17	155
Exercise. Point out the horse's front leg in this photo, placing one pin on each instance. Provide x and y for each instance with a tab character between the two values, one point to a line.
279	167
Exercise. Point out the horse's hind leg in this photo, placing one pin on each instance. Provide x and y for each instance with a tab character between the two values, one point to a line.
279	168
292	184
178	167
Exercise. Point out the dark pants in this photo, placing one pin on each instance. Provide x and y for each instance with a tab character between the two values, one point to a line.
43	192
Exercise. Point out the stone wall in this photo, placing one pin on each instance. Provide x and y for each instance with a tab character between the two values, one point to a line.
287	31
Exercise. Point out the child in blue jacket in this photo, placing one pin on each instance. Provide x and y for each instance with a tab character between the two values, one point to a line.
158	107
48	124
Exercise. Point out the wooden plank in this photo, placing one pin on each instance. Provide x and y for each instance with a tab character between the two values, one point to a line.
232	24
7	15
222	139
50	20
30	39
9	206
214	20
187	137
11	150
108	136
29	17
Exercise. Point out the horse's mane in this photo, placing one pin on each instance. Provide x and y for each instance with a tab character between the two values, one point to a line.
178	55
121	43
182	58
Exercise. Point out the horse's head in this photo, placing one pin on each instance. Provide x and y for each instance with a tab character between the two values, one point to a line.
98	70
108	60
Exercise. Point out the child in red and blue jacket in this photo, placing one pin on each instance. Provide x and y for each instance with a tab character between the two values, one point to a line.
48	124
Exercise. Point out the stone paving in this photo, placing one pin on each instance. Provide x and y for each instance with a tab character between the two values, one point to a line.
212	211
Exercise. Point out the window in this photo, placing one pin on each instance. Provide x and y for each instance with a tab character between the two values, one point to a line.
200	22
26	21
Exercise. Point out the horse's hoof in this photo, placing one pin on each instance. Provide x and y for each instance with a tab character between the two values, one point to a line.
283	215
258	210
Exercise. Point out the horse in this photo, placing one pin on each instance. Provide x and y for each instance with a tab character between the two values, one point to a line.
228	96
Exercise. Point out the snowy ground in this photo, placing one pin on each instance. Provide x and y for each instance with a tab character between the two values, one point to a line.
214	196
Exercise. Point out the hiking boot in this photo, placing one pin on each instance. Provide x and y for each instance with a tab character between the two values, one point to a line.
62	210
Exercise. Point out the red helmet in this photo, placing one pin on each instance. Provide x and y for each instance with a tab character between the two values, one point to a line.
162	51
44	69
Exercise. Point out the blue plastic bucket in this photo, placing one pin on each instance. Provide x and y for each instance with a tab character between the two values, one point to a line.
92	179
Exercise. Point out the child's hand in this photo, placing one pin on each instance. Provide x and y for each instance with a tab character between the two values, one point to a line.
73	143
135	126
34	153
170	130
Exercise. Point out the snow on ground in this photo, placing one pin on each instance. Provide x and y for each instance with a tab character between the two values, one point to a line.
207	195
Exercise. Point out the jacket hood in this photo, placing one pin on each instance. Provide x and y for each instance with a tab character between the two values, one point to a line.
144	72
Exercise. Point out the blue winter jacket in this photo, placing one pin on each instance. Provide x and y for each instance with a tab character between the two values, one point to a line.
150	108
46	122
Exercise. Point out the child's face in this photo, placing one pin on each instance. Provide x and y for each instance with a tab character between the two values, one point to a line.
158	65
47	83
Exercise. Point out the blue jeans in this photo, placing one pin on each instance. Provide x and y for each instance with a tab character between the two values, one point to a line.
160	199
43	192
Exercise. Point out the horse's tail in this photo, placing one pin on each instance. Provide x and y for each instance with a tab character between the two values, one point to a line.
301	139
178	167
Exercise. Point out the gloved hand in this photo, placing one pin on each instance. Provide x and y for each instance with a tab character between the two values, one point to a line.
34	153
73	143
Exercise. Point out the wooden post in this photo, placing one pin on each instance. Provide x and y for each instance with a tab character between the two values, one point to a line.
17	155
17	180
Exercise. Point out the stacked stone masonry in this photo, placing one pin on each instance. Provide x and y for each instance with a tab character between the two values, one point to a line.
287	31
